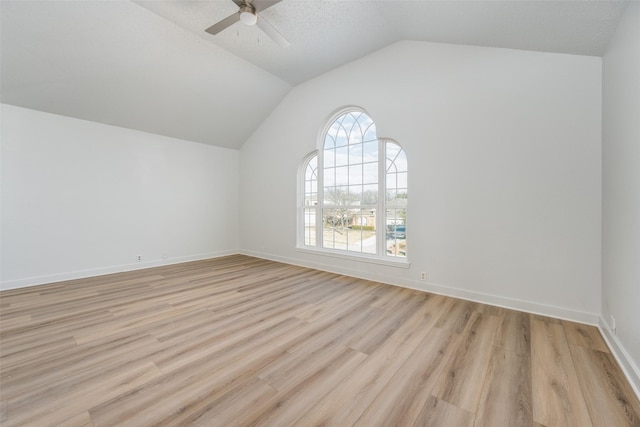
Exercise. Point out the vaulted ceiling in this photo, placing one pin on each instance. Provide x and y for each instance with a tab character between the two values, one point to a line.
149	65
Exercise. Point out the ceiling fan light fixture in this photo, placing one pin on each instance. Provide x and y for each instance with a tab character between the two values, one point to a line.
248	15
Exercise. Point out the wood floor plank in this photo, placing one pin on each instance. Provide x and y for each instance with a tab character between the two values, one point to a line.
437	413
20	354
343	328
10	323
585	336
57	407
188	387
171	359
458	317
385	327
316	311
557	396
422	320
507	391
355	392
230	408
514	333
296	367
403	397
604	389
81	420
286	407
237	341
463	377
62	367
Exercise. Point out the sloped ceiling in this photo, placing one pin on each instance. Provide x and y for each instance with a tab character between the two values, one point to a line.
115	62
149	65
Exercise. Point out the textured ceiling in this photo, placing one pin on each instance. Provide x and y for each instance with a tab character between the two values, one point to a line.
326	34
149	65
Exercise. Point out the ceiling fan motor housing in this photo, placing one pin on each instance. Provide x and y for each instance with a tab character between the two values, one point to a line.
248	14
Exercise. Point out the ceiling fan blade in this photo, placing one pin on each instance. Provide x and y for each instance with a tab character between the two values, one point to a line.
225	23
271	31
239	3
261	5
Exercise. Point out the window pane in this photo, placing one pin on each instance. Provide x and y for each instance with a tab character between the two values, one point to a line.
329	177
330	139
329	158
310	171
342	137
390	167
338	196
392	181
370	132
401	162
362	234
355	195
355	174
311	186
370	194
370	173
342	156
402	180
350	229
396	232
370	151
392	151
342	175
355	153
335	228
310	199
397	199
391	196
396	159
329	196
310	226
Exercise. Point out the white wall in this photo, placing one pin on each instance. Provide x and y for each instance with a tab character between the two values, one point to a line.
621	190
505	171
81	198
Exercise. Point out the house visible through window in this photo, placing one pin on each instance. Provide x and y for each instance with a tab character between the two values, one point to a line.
355	191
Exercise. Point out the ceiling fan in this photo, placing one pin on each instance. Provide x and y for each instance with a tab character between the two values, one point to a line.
249	14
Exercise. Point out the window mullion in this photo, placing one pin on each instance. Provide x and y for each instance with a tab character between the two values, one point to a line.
380	209
320	203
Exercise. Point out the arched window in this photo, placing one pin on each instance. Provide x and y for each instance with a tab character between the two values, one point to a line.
355	191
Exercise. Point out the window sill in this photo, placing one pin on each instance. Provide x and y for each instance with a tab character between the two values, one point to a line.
400	263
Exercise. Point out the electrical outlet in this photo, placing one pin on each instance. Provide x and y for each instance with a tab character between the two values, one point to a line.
139	258
613	324
423	276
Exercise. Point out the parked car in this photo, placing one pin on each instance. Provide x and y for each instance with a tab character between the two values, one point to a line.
397	231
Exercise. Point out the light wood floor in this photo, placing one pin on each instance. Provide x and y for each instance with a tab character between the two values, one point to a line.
239	341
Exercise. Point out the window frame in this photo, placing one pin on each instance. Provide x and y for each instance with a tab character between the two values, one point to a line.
380	257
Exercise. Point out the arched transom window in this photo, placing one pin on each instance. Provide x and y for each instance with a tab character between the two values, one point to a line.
355	191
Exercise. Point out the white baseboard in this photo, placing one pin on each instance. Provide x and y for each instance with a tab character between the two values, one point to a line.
101	271
510	303
529	307
630	369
